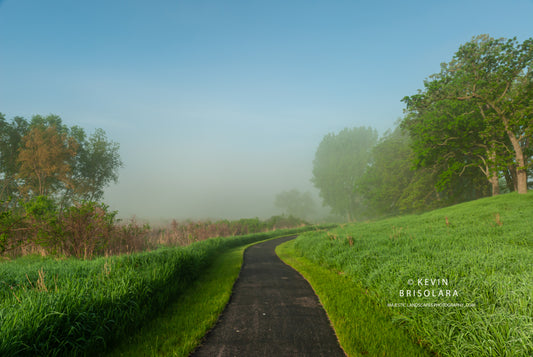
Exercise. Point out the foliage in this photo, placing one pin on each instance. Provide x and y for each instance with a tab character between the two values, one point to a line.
483	249
90	229
96	166
477	112
11	135
340	160
84	230
386	181
396	182
12	227
44	157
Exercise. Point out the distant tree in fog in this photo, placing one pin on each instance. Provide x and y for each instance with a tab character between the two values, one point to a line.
296	203
340	160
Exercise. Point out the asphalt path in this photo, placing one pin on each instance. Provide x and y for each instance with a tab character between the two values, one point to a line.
273	311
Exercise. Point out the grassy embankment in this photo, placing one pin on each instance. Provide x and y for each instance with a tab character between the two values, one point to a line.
401	270
183	324
73	307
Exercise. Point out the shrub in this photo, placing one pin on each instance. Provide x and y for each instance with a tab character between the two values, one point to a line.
84	230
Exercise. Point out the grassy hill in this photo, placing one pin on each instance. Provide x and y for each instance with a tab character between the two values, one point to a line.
459	280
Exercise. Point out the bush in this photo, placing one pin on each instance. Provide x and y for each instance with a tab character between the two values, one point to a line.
84	230
10	231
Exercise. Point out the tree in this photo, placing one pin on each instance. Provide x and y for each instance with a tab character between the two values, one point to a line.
492	80
10	140
448	137
96	166
340	160
388	176
295	203
45	160
499	78
421	193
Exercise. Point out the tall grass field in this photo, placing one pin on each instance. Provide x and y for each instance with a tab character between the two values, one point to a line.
57	307
459	280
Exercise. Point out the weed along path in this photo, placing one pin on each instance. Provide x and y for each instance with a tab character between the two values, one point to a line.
273	311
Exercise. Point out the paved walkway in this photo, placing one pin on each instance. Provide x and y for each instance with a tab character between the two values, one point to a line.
273	312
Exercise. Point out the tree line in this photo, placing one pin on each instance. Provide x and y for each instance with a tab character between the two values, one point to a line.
467	134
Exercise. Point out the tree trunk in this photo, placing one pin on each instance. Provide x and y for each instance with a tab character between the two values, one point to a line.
522	181
494	182
493	173
521	173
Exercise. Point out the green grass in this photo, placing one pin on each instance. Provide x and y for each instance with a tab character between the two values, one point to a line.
182	325
482	249
71	307
363	326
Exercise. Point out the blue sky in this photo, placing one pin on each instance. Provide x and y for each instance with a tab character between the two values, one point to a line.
220	105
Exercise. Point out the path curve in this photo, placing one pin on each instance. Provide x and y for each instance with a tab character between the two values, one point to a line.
273	311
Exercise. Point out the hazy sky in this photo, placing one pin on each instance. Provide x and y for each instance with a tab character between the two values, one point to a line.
220	105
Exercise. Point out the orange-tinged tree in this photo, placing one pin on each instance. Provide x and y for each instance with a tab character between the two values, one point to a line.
45	160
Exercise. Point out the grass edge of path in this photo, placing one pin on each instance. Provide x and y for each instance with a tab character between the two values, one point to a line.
362	326
180	328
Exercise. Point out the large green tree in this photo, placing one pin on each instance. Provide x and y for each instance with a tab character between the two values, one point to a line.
394	184
448	136
478	111
340	160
